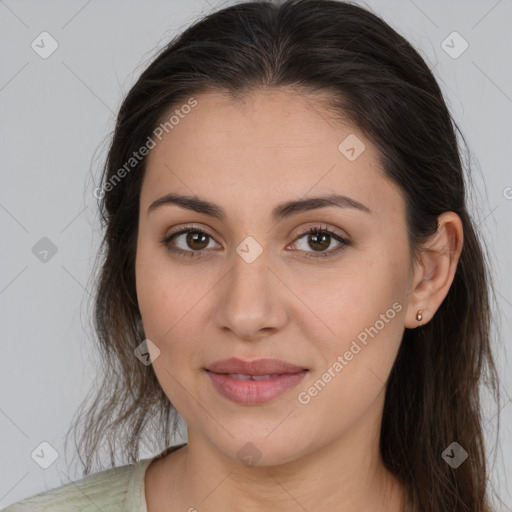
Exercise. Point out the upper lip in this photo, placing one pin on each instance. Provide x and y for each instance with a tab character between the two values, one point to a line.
255	367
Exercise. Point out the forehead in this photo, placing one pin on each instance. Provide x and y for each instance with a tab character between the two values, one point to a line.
268	145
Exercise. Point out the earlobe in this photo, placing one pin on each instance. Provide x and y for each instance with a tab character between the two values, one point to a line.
439	258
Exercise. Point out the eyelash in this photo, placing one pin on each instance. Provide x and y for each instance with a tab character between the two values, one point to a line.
312	230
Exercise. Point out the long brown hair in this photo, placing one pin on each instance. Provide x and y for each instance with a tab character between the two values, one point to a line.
374	78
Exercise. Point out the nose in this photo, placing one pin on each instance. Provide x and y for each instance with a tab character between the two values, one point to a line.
252	300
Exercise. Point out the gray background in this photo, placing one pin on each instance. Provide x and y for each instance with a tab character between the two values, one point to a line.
56	115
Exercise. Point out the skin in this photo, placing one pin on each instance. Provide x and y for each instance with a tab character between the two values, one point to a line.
247	156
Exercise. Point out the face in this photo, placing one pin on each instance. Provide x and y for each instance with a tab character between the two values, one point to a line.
249	284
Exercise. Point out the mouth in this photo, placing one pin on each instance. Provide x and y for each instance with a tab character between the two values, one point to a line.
242	376
248	389
256	368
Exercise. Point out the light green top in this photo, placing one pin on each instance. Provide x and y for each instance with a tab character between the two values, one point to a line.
118	489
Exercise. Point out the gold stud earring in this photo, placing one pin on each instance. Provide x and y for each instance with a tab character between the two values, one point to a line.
419	315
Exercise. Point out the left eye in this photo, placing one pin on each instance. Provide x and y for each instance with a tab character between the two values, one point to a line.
320	238
317	238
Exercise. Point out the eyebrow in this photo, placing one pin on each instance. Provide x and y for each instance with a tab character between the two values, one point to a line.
279	213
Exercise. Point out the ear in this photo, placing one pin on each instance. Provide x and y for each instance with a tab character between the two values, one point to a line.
433	275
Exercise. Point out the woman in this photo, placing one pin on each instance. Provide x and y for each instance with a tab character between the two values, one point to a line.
289	264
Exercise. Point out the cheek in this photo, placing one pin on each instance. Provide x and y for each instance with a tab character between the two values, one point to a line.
166	307
353	378
166	295
343	302
172	306
364	312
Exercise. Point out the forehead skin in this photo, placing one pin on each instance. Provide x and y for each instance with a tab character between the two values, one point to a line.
272	146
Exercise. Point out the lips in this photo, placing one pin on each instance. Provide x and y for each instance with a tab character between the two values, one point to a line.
254	382
251	390
238	368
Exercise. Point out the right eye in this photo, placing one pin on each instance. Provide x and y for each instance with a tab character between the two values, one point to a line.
193	241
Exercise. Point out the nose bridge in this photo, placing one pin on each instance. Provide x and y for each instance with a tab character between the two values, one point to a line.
250	299
250	277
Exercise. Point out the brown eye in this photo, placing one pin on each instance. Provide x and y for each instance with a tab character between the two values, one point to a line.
319	239
189	242
196	240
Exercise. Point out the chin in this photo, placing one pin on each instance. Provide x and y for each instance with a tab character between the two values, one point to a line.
264	450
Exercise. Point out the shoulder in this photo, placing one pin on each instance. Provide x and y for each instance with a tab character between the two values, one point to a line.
111	490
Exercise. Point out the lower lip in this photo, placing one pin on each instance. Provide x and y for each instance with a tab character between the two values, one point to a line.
250	392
